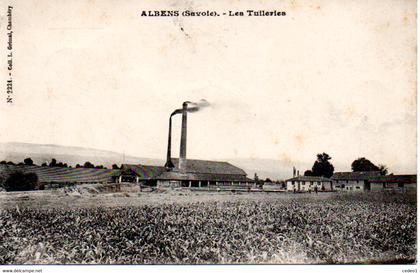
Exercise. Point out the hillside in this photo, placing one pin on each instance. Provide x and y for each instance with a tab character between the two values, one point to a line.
40	153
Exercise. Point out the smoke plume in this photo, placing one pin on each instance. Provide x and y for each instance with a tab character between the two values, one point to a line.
192	107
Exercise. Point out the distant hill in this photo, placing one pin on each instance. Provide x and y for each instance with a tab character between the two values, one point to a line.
40	153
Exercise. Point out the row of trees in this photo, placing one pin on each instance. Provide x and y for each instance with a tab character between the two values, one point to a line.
323	167
29	162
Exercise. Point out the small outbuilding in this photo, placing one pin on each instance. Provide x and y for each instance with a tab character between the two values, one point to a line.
394	182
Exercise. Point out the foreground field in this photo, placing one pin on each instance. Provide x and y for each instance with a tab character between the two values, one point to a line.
192	228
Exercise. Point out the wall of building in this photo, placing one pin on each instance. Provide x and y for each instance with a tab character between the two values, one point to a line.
348	185
410	186
307	185
211	184
327	186
290	185
392	186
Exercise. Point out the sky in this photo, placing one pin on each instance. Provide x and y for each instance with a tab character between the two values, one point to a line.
330	76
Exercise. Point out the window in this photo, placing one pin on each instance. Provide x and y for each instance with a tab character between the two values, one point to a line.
312	183
293	183
303	182
357	186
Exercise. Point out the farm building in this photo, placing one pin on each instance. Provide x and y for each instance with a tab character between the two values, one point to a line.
308	183
204	173
60	176
142	174
393	182
353	181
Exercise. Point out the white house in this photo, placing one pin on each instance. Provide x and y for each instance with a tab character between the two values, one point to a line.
308	183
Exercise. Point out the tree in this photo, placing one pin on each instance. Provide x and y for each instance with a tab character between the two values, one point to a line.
53	162
10	163
383	169
19	181
322	166
88	165
308	173
3	162
44	164
115	166
61	164
28	161
78	166
255	177
363	165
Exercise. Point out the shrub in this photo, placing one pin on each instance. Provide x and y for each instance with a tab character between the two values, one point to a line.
19	181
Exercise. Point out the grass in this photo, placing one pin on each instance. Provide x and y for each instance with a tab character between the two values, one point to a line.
198	228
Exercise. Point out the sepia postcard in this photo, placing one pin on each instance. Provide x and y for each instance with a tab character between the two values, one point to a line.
186	132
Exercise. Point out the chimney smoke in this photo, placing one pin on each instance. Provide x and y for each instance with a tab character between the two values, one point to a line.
187	107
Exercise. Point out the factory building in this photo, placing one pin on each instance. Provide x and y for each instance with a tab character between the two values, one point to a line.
185	172
180	172
203	173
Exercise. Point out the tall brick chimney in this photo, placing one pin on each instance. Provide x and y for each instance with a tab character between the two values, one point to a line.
183	149
169	165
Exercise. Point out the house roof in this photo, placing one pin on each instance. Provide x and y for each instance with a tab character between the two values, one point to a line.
210	167
310	179
355	175
144	171
407	178
205	170
62	175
